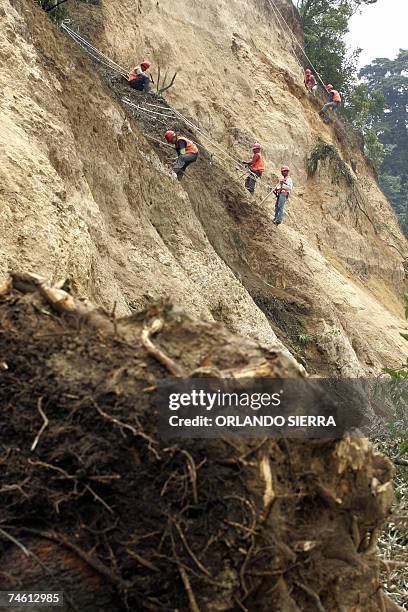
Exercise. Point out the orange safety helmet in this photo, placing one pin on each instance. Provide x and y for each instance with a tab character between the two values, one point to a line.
329	87
285	169
256	146
169	135
145	65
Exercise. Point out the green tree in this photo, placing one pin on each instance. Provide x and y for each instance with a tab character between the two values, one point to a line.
55	8
365	109
391	78
325	24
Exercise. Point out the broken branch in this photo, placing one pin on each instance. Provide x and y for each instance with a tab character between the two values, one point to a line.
150	330
158	78
193	474
190	594
170	84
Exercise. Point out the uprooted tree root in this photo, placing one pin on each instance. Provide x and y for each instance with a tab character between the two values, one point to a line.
95	504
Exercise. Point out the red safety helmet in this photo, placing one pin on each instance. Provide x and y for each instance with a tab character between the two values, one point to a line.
308	71
169	135
256	146
329	87
145	65
285	169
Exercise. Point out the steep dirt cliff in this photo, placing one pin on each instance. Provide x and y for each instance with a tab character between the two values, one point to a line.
86	198
335	261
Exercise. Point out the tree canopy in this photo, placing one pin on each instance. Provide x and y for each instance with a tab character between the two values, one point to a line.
377	105
390	78
325	24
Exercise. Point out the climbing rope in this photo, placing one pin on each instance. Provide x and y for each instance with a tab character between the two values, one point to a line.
155	117
285	30
160	142
165	108
197	129
146	110
283	23
91	50
206	136
106	61
102	58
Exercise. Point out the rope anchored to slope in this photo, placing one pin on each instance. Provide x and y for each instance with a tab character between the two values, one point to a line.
93	51
161	113
284	25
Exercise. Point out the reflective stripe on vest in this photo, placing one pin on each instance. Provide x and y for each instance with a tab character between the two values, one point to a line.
259	164
336	96
190	146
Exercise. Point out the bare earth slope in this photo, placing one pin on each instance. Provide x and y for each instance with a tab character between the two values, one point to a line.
85	197
82	194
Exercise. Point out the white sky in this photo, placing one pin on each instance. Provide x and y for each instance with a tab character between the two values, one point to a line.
380	30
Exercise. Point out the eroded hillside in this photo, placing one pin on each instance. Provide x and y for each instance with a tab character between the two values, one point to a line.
87	199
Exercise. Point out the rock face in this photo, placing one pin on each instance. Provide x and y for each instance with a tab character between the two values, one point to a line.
86	198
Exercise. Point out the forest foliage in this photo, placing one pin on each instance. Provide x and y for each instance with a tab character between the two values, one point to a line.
375	98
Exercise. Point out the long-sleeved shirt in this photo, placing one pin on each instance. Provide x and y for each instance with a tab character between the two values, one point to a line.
285	185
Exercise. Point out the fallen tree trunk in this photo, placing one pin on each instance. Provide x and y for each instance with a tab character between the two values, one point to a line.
97	505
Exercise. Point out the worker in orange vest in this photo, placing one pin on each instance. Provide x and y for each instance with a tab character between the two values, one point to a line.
187	152
256	166
334	100
310	81
138	79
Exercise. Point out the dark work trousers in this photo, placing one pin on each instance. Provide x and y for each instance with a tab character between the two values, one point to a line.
142	83
250	181
183	162
330	105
